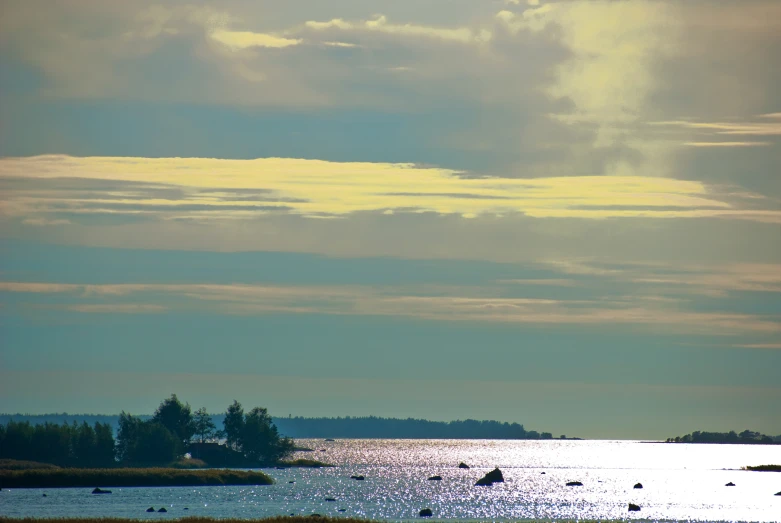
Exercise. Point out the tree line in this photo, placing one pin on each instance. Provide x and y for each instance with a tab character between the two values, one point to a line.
171	432
375	427
745	437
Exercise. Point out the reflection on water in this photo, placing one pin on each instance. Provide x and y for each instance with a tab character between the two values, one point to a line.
681	482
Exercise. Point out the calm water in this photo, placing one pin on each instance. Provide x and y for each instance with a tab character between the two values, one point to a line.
682	482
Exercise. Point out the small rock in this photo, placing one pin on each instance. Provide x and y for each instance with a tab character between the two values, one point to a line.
342	510
638	485
574	484
291	481
435	478
322	450
634	508
44	495
150	509
359	478
463	465
495	476
162	510
425	513
730	484
99	490
330	499
329	439
185	508
542	473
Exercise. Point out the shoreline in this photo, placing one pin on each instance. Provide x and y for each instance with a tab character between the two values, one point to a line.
277	519
130	477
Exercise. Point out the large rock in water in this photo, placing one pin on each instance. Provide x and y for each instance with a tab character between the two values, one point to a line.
463	465
99	490
638	485
495	476
425	513
150	509
778	493
435	478
730	484
574	484
634	508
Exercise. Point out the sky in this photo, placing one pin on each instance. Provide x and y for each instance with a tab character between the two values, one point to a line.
561	213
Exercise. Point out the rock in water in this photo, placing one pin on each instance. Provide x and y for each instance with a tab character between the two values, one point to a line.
778	493
342	510
330	499
638	485
463	465
162	509
574	484
634	508
495	476
730	484
359	478
150	509
425	513
44	495
99	490
435	478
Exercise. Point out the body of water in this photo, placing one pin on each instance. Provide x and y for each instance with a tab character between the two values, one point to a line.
681	483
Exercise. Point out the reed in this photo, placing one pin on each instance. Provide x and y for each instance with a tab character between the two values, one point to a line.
129	477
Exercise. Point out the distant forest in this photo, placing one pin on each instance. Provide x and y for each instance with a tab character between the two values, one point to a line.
747	437
347	427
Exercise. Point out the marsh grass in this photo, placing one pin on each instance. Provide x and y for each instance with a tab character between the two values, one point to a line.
277	519
129	477
18	464
764	468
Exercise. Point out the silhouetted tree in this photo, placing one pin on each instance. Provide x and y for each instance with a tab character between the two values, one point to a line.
234	425
177	418
204	426
260	439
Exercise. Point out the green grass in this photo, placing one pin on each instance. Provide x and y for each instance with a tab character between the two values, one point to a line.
764	468
128	477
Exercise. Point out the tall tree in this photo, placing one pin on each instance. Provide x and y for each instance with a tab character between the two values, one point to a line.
260	439
234	425
204	426
177	418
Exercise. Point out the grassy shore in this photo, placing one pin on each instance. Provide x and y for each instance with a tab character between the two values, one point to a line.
765	468
128	477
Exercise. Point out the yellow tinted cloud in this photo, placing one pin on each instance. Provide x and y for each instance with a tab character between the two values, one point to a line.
322	188
613	44
381	25
237	40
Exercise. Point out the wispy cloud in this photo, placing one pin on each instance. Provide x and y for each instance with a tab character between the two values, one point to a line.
321	188
445	304
244	39
727	144
380	24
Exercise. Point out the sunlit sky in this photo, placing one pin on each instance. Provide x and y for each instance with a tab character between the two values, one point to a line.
561	213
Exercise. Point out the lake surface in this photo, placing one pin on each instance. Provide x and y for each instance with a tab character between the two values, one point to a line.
681	483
